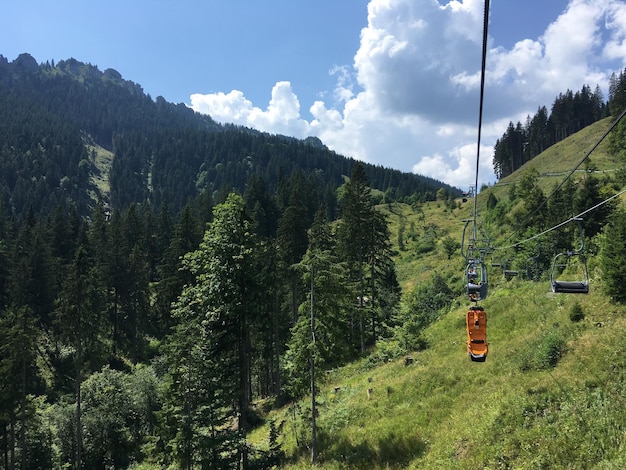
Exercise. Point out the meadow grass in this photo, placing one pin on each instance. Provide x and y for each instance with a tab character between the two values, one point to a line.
442	411
550	394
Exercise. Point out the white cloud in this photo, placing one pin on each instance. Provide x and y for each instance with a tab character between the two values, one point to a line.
410	100
458	168
282	115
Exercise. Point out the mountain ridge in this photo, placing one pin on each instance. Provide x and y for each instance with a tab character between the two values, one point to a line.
117	115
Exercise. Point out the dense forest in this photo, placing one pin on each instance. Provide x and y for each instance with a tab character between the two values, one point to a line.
147	337
56	118
570	113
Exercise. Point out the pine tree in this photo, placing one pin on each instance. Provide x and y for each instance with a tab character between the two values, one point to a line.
292	242
33	277
356	237
320	337
209	350
322	270
613	257
18	346
185	239
78	317
384	289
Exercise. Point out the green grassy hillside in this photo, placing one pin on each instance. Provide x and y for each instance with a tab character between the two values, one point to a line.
552	393
102	159
557	161
513	411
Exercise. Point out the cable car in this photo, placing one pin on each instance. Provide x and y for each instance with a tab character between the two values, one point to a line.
571	267
477	346
476	280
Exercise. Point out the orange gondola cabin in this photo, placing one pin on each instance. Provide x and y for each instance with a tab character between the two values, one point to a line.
477	346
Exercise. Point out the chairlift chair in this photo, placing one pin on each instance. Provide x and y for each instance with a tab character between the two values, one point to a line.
509	273
506	272
563	264
476	280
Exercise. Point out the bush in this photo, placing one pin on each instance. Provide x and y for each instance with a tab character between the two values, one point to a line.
545	352
425	246
576	313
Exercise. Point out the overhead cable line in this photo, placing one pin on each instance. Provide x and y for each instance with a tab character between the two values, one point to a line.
480	110
570	173
581	161
565	222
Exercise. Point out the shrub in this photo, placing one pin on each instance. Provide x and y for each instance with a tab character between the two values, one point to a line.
576	313
545	352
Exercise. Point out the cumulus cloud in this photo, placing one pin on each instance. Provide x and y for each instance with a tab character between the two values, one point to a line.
282	115
410	99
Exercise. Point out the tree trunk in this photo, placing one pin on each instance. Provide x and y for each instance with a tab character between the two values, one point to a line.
24	455
242	424
5	444
79	433
361	306
312	359
12	443
276	385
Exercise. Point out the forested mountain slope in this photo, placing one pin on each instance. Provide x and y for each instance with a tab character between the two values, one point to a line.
153	271
55	119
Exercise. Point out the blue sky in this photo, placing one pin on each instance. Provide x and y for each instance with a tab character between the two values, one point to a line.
390	82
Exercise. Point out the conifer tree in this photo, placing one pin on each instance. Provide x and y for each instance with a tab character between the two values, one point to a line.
292	242
209	350
116	279
384	289
186	237
613	257
588	195
322	270
32	277
356	237
78	317
18	346
320	337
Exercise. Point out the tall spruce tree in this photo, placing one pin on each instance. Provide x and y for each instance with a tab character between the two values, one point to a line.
383	286
356	237
79	319
18	353
32	277
209	350
323	271
292	242
320	337
186	237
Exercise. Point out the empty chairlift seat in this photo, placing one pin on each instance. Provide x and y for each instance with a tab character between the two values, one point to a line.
569	273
